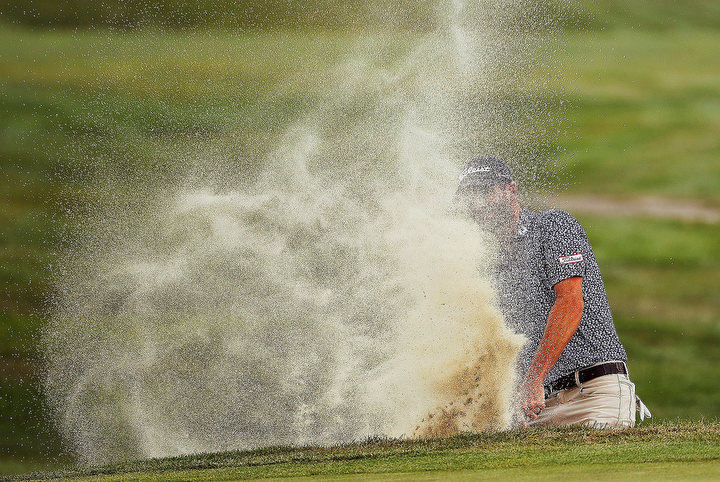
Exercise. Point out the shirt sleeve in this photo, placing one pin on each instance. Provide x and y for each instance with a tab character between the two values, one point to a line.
565	247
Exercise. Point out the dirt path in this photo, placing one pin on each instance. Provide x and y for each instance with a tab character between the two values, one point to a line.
654	207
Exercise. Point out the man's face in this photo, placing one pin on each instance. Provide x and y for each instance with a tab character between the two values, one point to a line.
491	207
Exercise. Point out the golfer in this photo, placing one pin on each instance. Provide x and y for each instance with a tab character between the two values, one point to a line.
573	366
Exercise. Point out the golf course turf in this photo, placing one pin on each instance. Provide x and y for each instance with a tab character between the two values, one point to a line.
652	450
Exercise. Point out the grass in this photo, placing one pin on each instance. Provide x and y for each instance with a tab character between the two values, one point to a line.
644	119
706	470
660	277
677	448
645	110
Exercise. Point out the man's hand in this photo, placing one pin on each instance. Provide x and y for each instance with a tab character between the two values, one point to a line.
532	398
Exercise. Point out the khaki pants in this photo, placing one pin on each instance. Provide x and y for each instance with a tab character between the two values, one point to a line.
604	402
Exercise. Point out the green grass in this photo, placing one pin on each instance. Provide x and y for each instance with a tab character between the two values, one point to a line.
683	449
705	470
645	111
644	119
660	277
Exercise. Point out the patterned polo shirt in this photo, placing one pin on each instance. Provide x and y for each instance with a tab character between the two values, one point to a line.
549	247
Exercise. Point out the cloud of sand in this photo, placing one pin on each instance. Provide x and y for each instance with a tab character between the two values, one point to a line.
336	298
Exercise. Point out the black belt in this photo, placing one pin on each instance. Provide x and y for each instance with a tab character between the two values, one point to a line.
584	375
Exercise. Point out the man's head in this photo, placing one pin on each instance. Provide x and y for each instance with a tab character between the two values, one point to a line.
487	190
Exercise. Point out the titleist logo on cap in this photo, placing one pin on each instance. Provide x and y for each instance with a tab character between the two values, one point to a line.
473	170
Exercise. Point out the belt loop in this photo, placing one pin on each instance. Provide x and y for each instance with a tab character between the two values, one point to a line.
627	370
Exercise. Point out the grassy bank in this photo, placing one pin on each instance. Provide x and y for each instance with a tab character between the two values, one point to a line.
672	449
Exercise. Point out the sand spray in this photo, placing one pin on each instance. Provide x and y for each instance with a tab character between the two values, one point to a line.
338	296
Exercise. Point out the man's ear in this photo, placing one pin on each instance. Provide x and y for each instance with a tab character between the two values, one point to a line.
512	187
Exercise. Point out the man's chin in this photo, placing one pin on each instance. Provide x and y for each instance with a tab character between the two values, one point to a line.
502	232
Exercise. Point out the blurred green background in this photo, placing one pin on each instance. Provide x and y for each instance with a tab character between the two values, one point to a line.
138	85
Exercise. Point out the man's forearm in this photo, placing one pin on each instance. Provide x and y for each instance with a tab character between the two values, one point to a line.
563	321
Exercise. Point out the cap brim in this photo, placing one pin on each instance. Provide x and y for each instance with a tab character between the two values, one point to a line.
483	184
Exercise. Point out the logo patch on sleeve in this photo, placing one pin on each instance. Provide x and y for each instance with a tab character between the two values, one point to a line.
574	258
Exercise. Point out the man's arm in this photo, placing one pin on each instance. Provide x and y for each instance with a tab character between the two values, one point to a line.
563	321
